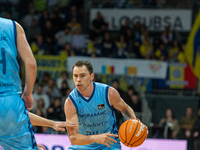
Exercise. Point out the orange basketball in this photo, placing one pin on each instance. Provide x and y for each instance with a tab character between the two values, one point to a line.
132	133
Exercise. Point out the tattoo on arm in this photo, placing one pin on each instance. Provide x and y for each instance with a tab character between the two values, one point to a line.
127	115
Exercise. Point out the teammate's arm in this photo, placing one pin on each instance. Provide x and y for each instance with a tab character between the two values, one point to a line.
56	125
30	66
80	139
118	103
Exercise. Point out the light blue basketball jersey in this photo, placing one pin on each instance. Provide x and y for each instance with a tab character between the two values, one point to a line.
9	69
96	115
15	126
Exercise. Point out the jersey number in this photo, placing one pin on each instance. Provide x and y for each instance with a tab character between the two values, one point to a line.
3	60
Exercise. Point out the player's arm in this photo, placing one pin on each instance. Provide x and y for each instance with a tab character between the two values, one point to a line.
56	125
80	139
30	66
118	103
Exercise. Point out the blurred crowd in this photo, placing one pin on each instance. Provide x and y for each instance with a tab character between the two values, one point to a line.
58	28
188	128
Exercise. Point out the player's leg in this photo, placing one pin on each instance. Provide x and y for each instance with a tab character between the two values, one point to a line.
15	127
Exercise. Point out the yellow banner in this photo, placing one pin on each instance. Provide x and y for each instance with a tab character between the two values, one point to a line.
176	74
52	64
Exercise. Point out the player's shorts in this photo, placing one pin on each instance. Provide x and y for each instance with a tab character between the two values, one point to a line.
16	131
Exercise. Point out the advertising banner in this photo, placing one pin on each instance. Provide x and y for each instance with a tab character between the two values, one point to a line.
154	19
61	142
130	67
52	64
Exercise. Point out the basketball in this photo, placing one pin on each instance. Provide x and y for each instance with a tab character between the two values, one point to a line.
132	133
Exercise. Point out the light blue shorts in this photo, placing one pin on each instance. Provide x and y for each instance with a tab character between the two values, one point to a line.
15	128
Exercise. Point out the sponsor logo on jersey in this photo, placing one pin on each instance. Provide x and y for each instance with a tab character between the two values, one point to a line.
5	84
3	38
92	115
101	106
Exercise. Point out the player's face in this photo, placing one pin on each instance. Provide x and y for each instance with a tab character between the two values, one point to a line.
82	77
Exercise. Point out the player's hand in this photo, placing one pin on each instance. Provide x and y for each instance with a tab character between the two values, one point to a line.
146	129
105	139
40	147
144	126
61	125
28	101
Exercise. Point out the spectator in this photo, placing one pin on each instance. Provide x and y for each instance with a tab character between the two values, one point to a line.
56	20
33	31
196	132
78	43
77	3
130	91
49	31
64	77
29	17
167	36
74	25
70	14
48	34
63	88
40	106
45	78
144	33
122	48
64	97
51	90
130	41
135	103
186	124
161	53
26	5
108	46
37	95
149	3
146	49
67	51
9	15
181	55
115	84
55	111
170	125
43	18
62	37
174	51
98	26
137	32
94	47
125	26
38	47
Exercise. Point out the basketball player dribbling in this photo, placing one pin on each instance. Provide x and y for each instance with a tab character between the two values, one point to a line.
90	105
